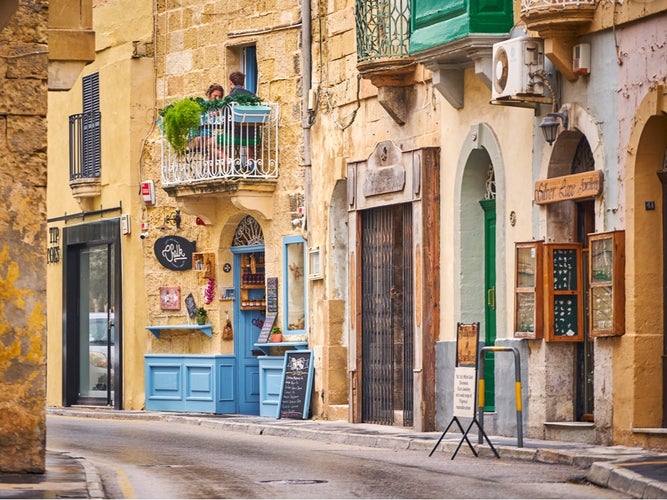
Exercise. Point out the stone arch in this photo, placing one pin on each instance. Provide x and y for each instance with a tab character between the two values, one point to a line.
557	161
638	360
480	148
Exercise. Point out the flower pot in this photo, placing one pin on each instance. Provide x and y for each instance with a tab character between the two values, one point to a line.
276	337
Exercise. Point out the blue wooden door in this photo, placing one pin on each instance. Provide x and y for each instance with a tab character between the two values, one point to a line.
249	315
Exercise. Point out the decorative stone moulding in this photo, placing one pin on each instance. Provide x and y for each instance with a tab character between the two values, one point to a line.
391	75
85	190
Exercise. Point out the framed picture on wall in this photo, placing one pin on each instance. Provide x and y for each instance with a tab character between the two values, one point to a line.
170	298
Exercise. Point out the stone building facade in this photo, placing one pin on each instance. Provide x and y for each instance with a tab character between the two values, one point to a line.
23	63
40	50
392	198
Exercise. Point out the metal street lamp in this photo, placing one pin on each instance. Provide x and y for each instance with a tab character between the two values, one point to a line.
550	124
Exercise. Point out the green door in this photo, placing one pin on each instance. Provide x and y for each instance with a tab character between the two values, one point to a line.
489	207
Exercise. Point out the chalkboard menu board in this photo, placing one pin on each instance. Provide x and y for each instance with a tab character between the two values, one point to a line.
272	295
296	384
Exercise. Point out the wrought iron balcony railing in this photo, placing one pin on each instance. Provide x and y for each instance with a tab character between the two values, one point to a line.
383	29
85	138
233	143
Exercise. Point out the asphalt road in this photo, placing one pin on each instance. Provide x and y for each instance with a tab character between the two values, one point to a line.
157	459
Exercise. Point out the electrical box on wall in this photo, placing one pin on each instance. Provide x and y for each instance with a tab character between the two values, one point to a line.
148	192
581	59
125	224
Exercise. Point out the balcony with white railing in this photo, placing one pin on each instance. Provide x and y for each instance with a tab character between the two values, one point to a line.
232	144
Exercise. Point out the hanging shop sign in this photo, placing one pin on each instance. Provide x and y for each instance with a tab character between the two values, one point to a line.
174	252
569	187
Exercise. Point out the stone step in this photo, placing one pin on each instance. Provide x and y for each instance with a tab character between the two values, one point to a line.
571	432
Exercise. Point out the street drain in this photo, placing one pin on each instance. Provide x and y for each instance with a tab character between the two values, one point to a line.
294	481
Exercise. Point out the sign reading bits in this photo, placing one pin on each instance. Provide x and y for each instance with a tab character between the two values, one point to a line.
53	251
464	391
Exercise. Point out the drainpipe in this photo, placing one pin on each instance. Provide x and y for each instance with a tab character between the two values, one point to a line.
306	83
306	78
662	175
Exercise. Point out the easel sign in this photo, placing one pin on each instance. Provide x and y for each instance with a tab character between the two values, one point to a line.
465	385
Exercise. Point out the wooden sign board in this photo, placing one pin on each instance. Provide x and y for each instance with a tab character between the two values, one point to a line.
568	187
467	340
296	384
174	252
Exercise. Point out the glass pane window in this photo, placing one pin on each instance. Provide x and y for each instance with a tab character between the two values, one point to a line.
295	289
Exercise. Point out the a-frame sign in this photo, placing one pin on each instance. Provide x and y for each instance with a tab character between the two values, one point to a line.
465	385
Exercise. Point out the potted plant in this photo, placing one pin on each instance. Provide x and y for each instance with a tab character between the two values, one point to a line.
178	120
201	316
276	334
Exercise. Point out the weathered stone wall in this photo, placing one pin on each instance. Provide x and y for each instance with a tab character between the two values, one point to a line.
23	91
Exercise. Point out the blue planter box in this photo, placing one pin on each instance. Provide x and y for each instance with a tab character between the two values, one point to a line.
251	114
190	383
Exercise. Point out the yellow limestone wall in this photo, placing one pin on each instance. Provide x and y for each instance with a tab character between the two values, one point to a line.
23	80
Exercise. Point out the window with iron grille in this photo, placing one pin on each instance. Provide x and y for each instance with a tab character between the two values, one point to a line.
85	137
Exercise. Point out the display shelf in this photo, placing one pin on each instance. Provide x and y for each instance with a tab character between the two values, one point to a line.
564	318
528	313
291	345
253	295
607	284
156	329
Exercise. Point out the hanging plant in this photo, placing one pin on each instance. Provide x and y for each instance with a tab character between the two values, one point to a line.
179	119
209	292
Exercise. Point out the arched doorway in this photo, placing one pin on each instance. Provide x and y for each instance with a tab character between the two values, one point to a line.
646	329
571	221
478	246
249	310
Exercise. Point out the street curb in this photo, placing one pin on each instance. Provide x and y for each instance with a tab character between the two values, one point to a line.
609	475
93	481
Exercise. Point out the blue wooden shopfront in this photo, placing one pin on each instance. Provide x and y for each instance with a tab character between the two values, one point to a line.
190	383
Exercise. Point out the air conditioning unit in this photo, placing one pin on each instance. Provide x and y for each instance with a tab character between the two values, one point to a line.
514	61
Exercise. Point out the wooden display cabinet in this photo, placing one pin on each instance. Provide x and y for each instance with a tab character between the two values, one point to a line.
204	264
607	283
564	305
528	301
253	288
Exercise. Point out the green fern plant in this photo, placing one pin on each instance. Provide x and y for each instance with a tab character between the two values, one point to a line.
178	120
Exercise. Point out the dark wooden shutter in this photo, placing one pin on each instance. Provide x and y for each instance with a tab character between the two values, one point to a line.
91	126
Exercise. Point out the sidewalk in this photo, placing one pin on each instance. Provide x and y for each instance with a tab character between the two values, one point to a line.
634	472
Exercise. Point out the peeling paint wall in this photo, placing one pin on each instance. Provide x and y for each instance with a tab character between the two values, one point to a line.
23	90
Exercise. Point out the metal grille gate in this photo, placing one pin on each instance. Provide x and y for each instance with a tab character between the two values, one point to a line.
387	315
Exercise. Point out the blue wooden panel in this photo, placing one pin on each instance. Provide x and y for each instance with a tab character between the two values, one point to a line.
270	380
226	384
199	382
163	386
